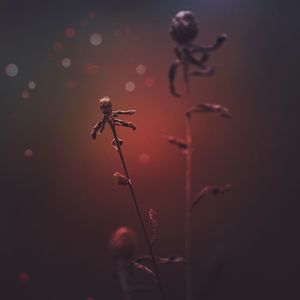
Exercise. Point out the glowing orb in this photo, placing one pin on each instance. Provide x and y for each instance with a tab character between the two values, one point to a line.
25	94
57	46
96	39
66	62
28	153
140	69
144	159
129	86
70	33
71	84
31	85
90	69
90	298
11	70
24	277
92	14
149	82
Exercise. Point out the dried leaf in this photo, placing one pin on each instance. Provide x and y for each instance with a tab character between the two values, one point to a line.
180	143
207	107
114	143
123	112
161	260
142	268
123	123
122	179
153	217
212	189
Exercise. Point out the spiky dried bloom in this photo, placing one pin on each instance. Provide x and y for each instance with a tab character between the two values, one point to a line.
110	117
184	30
123	244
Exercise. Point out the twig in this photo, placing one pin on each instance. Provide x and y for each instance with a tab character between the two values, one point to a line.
188	182
109	117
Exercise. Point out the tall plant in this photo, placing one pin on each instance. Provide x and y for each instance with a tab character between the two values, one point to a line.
110	117
184	30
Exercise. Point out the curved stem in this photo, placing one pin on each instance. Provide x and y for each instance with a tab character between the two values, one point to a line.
138	211
188	179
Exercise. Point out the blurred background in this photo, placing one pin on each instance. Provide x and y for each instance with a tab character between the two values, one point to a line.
59	201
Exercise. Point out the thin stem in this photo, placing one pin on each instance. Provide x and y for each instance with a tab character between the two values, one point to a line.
123	279
188	178
138	211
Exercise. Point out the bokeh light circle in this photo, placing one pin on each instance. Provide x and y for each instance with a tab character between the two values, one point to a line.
57	46
70	32
11	70
149	82
66	62
25	94
24	277
140	69
28	153
130	86
144	159
31	85
96	39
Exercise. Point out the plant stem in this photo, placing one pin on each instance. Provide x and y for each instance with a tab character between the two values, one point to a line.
122	274
188	178
159	282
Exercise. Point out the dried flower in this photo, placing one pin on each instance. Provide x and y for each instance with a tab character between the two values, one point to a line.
184	30
109	116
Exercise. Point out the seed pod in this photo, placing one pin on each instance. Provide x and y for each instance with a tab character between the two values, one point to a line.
105	105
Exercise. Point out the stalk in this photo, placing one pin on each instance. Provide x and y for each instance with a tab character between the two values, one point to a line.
159	282
188	183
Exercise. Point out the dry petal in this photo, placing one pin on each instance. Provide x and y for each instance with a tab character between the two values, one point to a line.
122	179
142	268
161	260
207	107
212	189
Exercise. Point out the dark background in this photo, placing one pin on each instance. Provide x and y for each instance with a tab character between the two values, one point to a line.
59	208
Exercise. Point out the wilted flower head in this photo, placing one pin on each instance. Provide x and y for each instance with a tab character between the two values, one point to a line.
184	27
105	105
123	244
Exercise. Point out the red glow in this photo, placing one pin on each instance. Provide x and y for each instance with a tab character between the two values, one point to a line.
70	32
24	277
25	94
92	14
144	159
90	69
71	84
57	46
28	153
149	81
